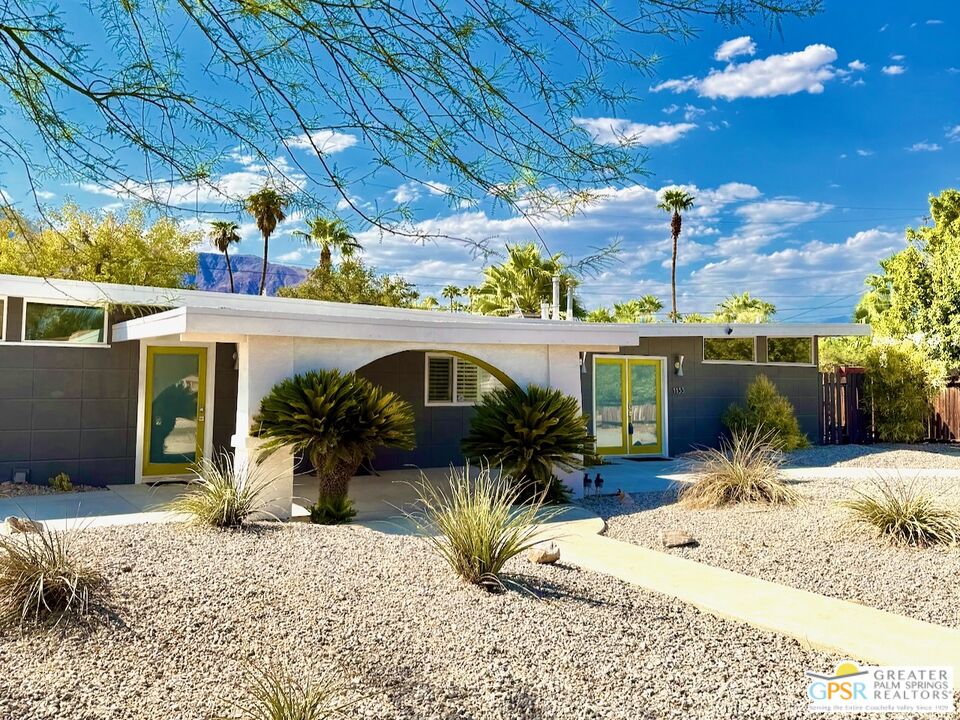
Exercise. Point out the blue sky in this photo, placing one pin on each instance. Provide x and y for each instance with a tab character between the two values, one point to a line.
809	152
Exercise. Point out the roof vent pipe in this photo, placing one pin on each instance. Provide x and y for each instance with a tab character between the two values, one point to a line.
544	310
556	297
570	284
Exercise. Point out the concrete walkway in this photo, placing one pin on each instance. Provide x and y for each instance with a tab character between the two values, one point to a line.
837	626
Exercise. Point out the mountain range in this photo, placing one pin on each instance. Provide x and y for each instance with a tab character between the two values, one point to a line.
212	274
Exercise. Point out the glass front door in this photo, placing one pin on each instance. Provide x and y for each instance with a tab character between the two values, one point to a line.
174	413
628	406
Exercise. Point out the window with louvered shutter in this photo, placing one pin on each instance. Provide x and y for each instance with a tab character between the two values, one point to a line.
439	379
467	382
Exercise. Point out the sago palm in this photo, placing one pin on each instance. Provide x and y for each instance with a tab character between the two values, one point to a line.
338	420
223	234
529	433
675	201
329	235
268	208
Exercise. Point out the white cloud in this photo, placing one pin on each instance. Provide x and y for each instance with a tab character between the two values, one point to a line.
736	47
893	69
953	134
412	191
618	131
864	153
934	22
326	141
857	65
925	147
898	58
46	195
787	74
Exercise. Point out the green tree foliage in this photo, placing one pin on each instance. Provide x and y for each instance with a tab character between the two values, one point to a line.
337	420
223	234
917	292
120	247
902	379
675	201
601	315
329	235
352	281
530	433
468	91
523	280
767	411
451	293
744	309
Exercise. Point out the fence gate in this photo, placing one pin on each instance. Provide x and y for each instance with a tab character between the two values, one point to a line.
844	417
944	424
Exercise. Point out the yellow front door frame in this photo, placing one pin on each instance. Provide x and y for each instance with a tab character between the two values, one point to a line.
154	469
625	364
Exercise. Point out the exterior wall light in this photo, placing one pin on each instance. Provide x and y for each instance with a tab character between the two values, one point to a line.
678	365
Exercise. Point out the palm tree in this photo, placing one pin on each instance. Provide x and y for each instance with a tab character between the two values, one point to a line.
223	233
451	292
329	235
267	207
744	309
640	310
523	281
675	201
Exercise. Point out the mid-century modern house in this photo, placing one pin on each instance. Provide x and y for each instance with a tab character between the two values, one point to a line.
115	384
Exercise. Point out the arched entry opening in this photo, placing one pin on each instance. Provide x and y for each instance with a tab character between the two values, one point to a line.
442	386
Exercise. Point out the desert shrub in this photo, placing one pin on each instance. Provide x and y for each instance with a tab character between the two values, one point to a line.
43	580
902	379
60	482
223	493
768	411
273	694
905	513
332	511
744	469
477	525
338	420
529	433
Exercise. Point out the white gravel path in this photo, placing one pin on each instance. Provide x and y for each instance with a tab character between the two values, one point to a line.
813	546
195	607
877	456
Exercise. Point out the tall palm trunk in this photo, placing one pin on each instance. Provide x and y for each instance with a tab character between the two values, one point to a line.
226	256
325	258
675	225
263	272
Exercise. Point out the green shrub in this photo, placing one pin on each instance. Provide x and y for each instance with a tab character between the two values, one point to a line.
337	420
332	511
905	514
43	581
477	525
61	482
275	695
769	411
529	433
744	469
224	494
902	379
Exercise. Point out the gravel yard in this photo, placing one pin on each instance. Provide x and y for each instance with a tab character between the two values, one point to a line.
9	489
195	607
877	456
812	546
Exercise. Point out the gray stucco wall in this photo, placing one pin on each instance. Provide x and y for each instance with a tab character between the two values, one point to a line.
438	429
67	409
708	389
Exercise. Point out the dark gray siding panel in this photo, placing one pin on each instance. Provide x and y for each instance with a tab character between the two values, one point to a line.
224	397
708	389
14	310
439	430
69	410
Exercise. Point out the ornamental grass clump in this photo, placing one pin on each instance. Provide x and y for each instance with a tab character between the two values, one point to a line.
905	513
273	694
477	524
224	494
43	580
744	469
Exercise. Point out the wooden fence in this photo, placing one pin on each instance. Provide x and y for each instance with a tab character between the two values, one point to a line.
846	415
